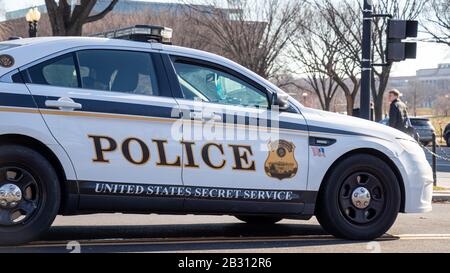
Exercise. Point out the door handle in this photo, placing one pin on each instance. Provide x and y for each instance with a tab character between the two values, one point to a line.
64	104
205	116
212	116
196	115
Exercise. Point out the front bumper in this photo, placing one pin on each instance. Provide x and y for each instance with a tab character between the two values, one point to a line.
418	180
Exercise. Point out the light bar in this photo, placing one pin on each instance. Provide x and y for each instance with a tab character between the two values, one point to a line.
140	33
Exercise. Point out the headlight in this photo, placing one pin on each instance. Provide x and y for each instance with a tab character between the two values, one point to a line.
410	146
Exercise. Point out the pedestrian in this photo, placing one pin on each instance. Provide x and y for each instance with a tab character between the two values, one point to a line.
398	114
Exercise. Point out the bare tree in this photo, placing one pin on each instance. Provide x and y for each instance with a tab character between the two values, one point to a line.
442	106
324	88
380	75
5	31
316	49
68	22
345	21
251	33
186	32
438	14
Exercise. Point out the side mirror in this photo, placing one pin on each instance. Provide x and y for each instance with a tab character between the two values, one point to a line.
281	100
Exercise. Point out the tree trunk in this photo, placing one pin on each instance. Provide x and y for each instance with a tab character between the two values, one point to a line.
327	106
66	22
378	91
350	104
378	107
76	30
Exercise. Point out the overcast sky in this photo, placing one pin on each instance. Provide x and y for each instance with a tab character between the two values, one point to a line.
429	55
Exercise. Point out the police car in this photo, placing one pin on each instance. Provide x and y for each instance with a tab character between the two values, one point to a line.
105	125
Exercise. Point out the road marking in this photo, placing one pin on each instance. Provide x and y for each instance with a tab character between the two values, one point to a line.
159	241
423	236
223	240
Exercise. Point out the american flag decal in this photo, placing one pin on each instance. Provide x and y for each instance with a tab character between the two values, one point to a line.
318	152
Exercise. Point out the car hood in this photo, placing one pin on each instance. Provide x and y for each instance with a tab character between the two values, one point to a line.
342	124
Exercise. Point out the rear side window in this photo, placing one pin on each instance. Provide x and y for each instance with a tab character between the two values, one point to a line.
104	70
60	71
118	71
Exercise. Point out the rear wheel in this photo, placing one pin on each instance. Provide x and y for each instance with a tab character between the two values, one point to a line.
29	194
360	200
259	220
448	141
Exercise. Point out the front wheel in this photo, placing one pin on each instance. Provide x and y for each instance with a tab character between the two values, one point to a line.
259	220
29	194
360	199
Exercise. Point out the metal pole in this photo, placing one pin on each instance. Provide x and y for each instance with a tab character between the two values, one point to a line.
366	62
434	161
32	29
35	26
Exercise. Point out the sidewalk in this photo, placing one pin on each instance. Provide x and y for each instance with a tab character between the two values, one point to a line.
443	181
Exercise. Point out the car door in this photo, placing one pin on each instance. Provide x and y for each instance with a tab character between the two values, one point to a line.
111	110
241	149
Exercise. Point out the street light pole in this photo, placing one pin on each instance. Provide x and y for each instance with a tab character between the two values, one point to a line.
32	29
33	16
366	62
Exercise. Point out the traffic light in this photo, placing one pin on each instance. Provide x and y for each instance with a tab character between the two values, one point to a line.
399	30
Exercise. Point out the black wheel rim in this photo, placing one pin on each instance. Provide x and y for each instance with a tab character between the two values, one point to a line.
376	205
21	211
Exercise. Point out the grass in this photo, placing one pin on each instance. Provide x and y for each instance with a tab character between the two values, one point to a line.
424	112
440	189
439	123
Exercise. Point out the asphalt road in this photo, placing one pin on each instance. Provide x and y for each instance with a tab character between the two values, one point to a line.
442	164
142	233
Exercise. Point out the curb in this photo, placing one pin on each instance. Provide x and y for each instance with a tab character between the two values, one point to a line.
441	197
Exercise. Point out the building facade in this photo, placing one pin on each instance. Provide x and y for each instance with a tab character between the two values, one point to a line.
423	89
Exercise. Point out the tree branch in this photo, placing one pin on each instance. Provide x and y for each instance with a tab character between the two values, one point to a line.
103	13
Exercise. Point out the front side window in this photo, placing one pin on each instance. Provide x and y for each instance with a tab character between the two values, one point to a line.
211	85
60	71
118	71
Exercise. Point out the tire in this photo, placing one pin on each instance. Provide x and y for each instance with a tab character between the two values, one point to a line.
448	141
339	214
259	220
39	203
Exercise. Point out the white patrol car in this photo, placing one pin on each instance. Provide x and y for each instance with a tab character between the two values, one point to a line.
90	125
